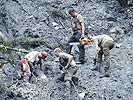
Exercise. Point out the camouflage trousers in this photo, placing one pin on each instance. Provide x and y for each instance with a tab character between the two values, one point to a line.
75	38
105	49
68	74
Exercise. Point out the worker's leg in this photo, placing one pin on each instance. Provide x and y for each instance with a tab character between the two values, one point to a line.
81	54
69	74
69	47
81	48
100	53
106	50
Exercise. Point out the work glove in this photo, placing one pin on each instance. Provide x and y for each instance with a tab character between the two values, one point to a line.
60	67
94	61
81	38
64	69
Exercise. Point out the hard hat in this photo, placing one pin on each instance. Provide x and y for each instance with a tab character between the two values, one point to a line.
44	53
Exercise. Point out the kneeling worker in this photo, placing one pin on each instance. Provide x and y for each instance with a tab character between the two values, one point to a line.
66	60
30	60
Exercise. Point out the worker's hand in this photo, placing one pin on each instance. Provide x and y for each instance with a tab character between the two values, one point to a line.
66	67
32	69
94	59
83	35
24	73
60	67
42	69
70	31
81	38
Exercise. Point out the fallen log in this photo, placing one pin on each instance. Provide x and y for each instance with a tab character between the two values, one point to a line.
14	49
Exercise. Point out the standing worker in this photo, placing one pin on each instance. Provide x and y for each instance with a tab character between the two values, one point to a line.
30	60
78	33
66	60
105	43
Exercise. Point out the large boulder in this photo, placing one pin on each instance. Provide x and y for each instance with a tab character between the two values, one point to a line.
8	69
117	30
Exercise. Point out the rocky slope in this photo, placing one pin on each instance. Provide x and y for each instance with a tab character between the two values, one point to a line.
40	19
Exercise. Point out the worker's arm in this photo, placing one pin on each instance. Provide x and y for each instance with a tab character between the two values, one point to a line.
71	28
96	51
83	28
69	61
41	66
31	65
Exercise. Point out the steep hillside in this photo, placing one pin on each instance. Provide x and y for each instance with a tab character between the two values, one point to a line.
44	20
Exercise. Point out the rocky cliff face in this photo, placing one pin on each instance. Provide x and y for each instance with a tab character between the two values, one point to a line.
43	20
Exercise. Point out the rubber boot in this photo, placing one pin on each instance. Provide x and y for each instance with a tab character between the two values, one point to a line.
75	80
67	83
97	68
61	77
107	72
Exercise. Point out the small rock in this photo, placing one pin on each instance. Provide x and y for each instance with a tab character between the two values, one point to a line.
132	81
119	96
82	95
8	69
112	19
54	24
1	34
56	28
31	16
1	98
118	45
117	30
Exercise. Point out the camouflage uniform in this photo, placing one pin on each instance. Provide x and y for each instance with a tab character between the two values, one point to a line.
76	27
72	68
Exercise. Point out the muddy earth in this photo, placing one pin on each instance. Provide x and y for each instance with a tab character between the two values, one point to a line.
45	20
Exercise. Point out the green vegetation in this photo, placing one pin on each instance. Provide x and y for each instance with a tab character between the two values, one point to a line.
46	10
7	47
131	8
59	13
4	91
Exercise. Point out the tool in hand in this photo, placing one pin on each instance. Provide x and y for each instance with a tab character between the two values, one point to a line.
84	41
81	94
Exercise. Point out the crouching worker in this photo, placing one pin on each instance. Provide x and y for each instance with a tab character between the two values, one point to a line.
29	62
105	43
68	64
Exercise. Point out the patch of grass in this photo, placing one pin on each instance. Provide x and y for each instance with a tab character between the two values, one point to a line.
25	42
46	10
131	8
59	13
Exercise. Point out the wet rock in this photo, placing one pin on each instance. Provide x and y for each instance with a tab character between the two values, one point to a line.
130	3
8	69
117	30
131	80
1	98
112	19
34	18
18	74
118	45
